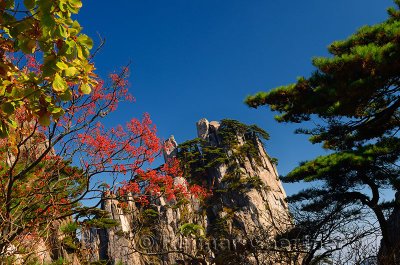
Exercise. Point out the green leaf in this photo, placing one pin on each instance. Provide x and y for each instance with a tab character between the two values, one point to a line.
85	52
12	123
59	84
57	115
75	3
69	46
61	5
8	19
49	65
66	96
49	69
61	31
10	4
30	92
54	109
85	88
85	40
4	130
70	71
45	5
27	46
79	52
68	22
72	9
23	26
31	45
61	65
48	98
75	26
44	45
29	4
48	20
47	33
8	108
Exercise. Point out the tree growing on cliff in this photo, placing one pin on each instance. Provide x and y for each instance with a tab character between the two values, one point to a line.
38	185
354	94
50	163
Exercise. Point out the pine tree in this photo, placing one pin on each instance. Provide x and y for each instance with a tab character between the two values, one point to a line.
354	96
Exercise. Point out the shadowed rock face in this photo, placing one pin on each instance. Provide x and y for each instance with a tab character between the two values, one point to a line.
231	218
203	127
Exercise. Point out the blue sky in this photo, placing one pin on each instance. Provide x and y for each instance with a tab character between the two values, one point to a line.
194	59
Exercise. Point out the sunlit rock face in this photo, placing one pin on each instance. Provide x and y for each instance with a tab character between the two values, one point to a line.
170	146
239	219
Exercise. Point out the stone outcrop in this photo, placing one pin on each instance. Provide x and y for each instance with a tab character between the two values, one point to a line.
170	146
43	250
242	215
114	245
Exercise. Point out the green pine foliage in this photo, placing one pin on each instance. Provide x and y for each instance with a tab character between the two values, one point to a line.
356	88
190	229
354	96
198	157
149	216
94	217
102	223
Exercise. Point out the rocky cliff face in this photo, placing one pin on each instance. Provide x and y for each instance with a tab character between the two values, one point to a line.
246	211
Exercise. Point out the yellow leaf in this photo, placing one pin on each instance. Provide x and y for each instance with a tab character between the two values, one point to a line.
85	88
59	84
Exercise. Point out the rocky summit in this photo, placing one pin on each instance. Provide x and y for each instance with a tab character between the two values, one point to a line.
237	224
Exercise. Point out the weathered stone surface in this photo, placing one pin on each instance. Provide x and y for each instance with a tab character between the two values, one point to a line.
202	129
44	250
215	124
230	218
170	148
212	133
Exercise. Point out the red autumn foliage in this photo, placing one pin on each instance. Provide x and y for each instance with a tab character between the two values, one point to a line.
47	171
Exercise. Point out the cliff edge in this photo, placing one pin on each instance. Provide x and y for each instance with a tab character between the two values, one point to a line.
238	224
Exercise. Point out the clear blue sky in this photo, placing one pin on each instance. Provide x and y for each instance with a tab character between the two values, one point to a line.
200	58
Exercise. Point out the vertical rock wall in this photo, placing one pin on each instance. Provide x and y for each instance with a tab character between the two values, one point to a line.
237	221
